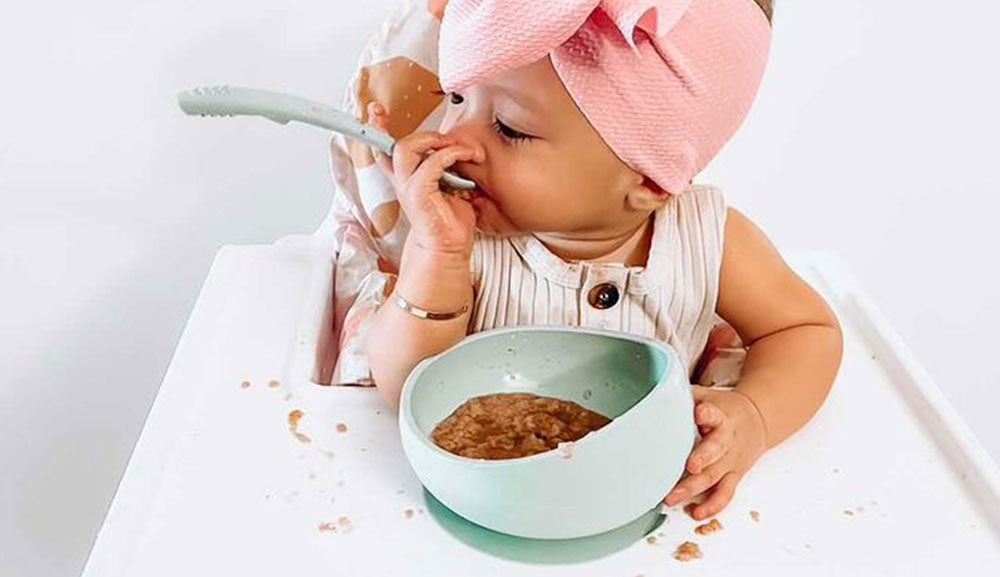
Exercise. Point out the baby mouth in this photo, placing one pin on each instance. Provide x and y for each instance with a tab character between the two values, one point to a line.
466	193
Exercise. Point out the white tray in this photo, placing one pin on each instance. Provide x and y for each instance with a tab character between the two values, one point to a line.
886	479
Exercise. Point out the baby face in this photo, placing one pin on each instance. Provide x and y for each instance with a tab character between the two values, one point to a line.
545	167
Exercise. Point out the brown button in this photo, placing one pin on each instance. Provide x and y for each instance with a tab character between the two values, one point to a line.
603	296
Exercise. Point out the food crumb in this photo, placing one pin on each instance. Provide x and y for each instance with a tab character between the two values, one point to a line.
420	510
651	540
293	425
408	513
587	394
755	515
326	526
710	527
565	450
687	551
848	512
341	428
860	509
272	384
312	475
245	385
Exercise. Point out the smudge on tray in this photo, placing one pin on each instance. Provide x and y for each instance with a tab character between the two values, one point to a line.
293	425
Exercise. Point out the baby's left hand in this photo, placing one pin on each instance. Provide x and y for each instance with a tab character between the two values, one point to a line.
733	438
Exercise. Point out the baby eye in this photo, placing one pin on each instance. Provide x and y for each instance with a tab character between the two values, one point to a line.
508	132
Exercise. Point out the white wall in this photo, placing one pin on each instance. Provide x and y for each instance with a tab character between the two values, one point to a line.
872	137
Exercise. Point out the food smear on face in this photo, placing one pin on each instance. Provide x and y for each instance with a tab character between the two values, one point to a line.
513	425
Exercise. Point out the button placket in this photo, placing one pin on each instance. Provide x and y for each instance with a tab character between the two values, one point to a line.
602	293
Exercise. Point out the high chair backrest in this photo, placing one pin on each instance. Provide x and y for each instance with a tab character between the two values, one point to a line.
398	69
365	228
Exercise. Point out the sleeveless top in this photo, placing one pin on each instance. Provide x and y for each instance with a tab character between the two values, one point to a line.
518	281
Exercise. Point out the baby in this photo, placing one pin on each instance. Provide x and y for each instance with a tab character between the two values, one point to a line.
582	124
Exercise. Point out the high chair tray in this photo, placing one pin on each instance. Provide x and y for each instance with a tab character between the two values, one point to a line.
886	479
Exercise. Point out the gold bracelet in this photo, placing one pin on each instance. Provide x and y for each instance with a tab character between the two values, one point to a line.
429	315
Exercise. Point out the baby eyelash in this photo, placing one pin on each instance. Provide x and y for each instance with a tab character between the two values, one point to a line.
508	132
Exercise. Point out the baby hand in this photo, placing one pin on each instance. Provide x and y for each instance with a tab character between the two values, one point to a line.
733	438
439	224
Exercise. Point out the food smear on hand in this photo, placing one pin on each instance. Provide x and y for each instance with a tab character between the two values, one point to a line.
513	425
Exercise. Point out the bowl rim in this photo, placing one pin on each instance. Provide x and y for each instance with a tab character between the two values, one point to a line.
406	416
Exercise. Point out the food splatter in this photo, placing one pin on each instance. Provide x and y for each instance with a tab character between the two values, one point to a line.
565	450
710	527
293	425
687	551
408	513
341	428
273	384
245	385
755	515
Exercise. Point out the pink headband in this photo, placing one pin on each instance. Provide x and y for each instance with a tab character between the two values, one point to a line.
666	83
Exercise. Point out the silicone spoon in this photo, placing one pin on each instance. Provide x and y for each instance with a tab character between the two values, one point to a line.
281	108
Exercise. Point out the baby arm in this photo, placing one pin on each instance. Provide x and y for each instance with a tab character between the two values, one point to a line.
795	347
434	269
399	340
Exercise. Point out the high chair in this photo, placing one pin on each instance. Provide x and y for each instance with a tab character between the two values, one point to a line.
264	454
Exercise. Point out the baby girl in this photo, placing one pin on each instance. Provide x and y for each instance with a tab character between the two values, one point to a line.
582	124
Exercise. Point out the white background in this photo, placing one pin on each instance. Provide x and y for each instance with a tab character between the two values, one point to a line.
873	136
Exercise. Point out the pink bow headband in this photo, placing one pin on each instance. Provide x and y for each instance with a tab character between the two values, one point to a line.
665	83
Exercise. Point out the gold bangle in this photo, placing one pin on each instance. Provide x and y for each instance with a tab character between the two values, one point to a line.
429	315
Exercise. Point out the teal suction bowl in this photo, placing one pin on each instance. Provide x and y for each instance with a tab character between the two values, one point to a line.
610	478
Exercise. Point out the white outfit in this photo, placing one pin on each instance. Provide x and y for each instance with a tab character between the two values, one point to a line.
518	281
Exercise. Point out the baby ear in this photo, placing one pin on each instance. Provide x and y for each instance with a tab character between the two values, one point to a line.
646	195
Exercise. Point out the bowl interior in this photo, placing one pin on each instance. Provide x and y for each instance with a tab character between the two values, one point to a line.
600	371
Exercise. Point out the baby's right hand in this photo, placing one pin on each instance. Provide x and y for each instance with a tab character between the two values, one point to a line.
440	224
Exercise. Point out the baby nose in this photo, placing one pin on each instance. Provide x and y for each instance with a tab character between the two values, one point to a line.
466	139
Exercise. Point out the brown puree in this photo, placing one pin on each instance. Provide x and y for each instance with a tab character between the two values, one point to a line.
512	425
